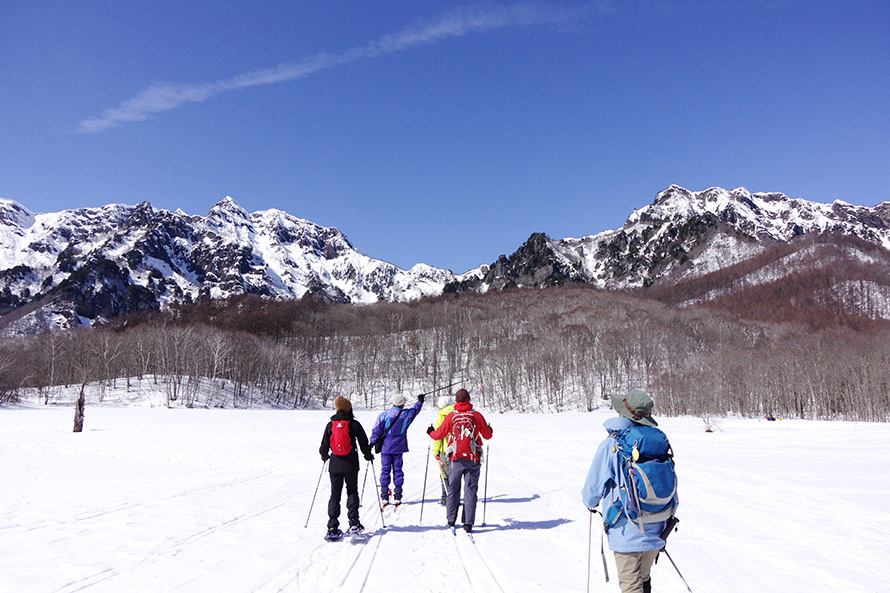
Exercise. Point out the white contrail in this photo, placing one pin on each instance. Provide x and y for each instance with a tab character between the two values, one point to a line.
456	23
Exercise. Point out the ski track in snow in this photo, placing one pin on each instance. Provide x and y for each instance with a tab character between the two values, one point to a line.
216	500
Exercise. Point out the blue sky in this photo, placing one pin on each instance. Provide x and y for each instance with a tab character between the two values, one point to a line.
440	132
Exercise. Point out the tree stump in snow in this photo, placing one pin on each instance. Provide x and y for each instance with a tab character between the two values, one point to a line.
78	410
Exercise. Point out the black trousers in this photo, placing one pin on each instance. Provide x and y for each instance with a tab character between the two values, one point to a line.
337	481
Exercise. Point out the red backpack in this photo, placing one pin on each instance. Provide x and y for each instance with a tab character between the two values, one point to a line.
464	443
341	444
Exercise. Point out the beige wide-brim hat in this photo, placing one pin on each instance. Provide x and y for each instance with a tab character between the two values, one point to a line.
636	406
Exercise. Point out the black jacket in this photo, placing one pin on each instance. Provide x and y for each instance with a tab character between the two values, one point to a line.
344	464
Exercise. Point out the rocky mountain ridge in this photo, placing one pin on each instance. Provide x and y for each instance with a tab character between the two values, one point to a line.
85	265
681	235
78	267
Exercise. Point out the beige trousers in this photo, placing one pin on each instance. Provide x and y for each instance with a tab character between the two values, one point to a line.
633	569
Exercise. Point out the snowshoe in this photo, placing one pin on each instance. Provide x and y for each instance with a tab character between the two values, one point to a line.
333	534
355	528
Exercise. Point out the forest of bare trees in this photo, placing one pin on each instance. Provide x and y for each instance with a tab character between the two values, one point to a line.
558	349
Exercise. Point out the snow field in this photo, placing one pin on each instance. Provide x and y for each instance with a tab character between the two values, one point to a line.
152	499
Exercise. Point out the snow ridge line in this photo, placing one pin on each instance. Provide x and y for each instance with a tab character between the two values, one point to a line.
108	574
370	564
482	560
376	547
87	515
485	564
282	580
463	562
220	486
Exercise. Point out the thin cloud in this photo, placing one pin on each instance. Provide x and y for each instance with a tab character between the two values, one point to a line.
456	23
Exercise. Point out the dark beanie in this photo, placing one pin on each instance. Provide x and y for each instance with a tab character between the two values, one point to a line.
341	404
462	395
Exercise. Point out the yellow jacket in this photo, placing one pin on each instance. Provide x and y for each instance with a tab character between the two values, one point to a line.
441	444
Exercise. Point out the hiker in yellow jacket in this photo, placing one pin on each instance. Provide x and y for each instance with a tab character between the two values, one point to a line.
446	406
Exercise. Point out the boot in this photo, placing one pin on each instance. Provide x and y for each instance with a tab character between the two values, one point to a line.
647	586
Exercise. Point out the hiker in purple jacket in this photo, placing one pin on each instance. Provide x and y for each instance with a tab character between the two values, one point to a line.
389	438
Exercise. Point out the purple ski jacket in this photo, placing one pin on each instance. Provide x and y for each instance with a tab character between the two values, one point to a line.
396	440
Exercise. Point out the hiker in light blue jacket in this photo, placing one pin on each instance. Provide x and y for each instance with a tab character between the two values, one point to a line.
392	429
635	546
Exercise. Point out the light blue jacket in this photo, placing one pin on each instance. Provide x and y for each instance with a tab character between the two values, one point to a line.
602	484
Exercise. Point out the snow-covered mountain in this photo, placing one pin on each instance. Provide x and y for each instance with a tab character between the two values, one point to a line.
681	236
78	266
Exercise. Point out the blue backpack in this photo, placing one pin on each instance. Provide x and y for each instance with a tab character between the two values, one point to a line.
648	482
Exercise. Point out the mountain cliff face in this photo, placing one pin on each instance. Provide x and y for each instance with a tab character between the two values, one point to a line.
77	267
682	235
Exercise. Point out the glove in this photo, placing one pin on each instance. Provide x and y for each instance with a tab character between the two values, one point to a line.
421	397
369	457
430	429
325	457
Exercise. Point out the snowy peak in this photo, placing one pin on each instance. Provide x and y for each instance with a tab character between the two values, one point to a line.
13	214
95	263
538	263
228	209
772	216
286	230
682	235
230	221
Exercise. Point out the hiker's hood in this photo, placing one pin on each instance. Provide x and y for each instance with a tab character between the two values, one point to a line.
463	406
342	415
617	424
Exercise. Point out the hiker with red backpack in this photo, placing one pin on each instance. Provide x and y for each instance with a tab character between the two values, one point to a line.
466	428
632	473
390	439
338	444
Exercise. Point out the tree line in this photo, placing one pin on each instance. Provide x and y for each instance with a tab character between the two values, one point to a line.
559	349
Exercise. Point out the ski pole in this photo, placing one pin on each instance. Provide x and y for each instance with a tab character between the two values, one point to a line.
677	569
485	490
425	470
602	548
364	482
589	549
441	388
379	503
312	504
